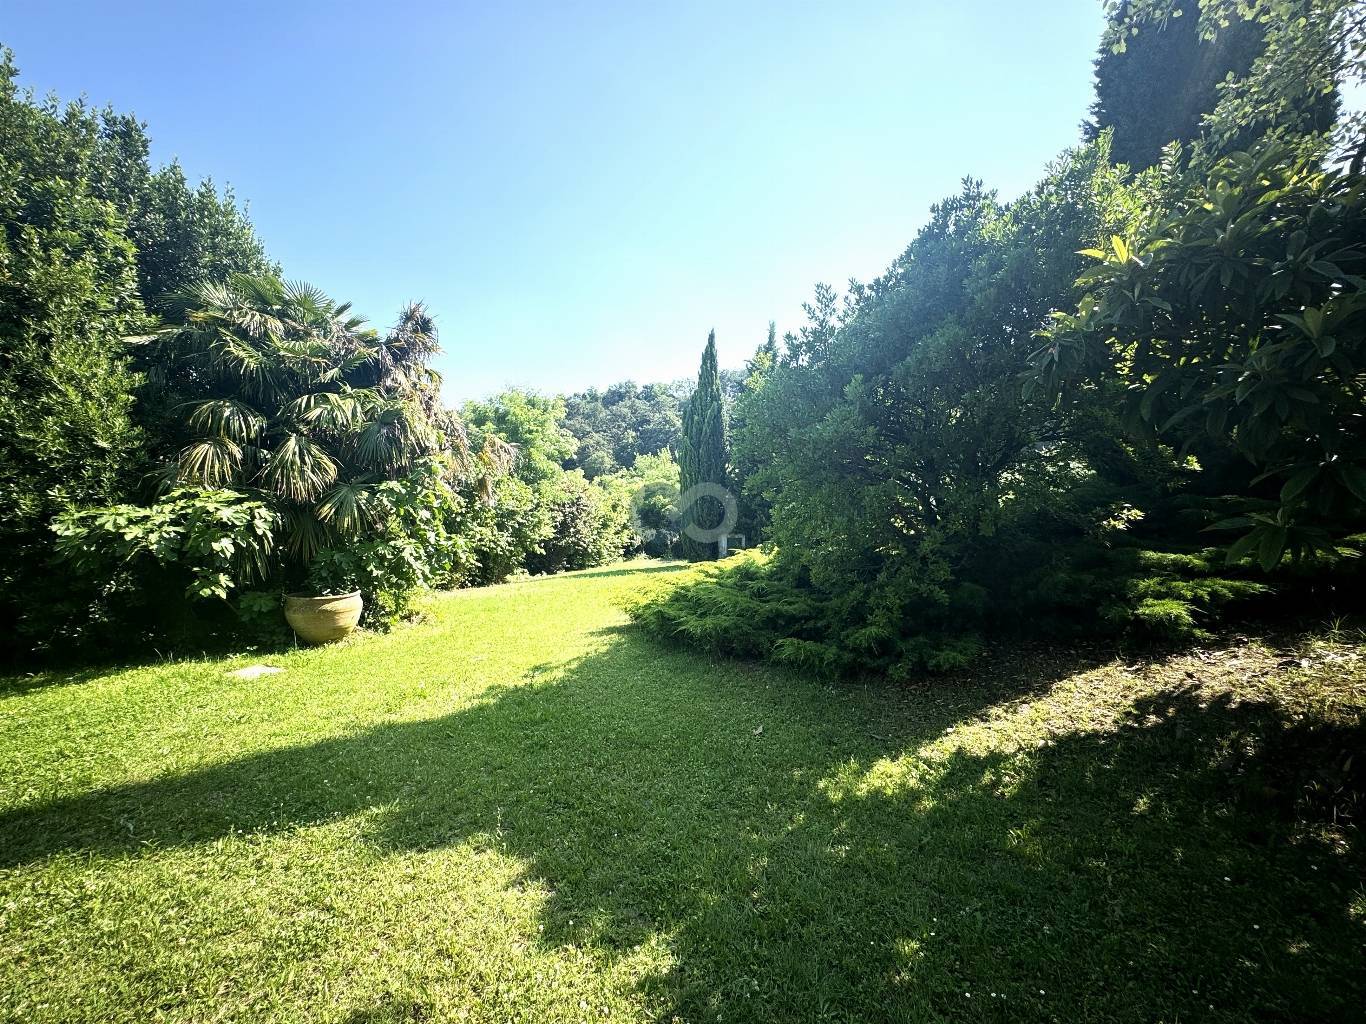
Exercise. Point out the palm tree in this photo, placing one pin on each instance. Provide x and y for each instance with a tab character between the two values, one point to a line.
286	394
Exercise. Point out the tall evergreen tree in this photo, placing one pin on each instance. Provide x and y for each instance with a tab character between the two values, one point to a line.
1156	77
703	457
765	356
753	517
68	296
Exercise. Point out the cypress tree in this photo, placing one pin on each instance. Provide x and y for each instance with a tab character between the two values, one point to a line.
1154	85
765	356
702	456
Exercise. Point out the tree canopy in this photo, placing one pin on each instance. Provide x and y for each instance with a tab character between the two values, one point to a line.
1158	75
615	426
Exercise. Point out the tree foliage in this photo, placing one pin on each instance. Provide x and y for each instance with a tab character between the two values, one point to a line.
755	510
703	458
1302	53
531	424
614	427
68	294
922	497
1200	366
577	523
283	393
588	525
91	234
1236	324
1158	75
650	491
186	235
893	439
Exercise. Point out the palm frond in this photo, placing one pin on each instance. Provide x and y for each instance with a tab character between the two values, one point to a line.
328	409
298	469
307	298
398	434
226	418
414	336
305	534
308	353
212	462
496	458
347	508
347	363
265	291
372	446
454	437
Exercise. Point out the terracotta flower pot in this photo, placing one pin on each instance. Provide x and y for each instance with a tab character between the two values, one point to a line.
320	620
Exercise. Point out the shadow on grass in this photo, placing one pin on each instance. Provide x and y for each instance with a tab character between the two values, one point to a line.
20	682
1146	872
85	665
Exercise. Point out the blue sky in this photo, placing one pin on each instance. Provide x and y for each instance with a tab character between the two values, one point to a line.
579	191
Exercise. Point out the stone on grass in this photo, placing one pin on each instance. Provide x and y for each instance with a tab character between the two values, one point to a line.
252	671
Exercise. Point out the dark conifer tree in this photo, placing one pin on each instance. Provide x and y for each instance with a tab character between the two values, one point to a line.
1155	85
703	456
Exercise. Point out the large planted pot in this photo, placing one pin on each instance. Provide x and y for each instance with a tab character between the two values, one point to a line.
320	620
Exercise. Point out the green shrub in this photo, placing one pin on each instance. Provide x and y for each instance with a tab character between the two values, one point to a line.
1167	617
90	236
1233	327
260	618
768	608
1202	326
810	656
943	653
503	531
411	547
589	525
650	490
216	537
133	575
541	518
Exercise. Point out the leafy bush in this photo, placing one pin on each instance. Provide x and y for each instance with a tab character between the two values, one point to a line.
650	491
555	520
1235	328
130	569
412	547
531	424
589	525
506	531
90	235
259	618
901	458
218	537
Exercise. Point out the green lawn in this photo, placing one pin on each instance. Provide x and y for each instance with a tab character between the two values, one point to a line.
521	809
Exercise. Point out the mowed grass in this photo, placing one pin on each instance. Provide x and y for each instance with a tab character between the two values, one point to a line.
521	809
